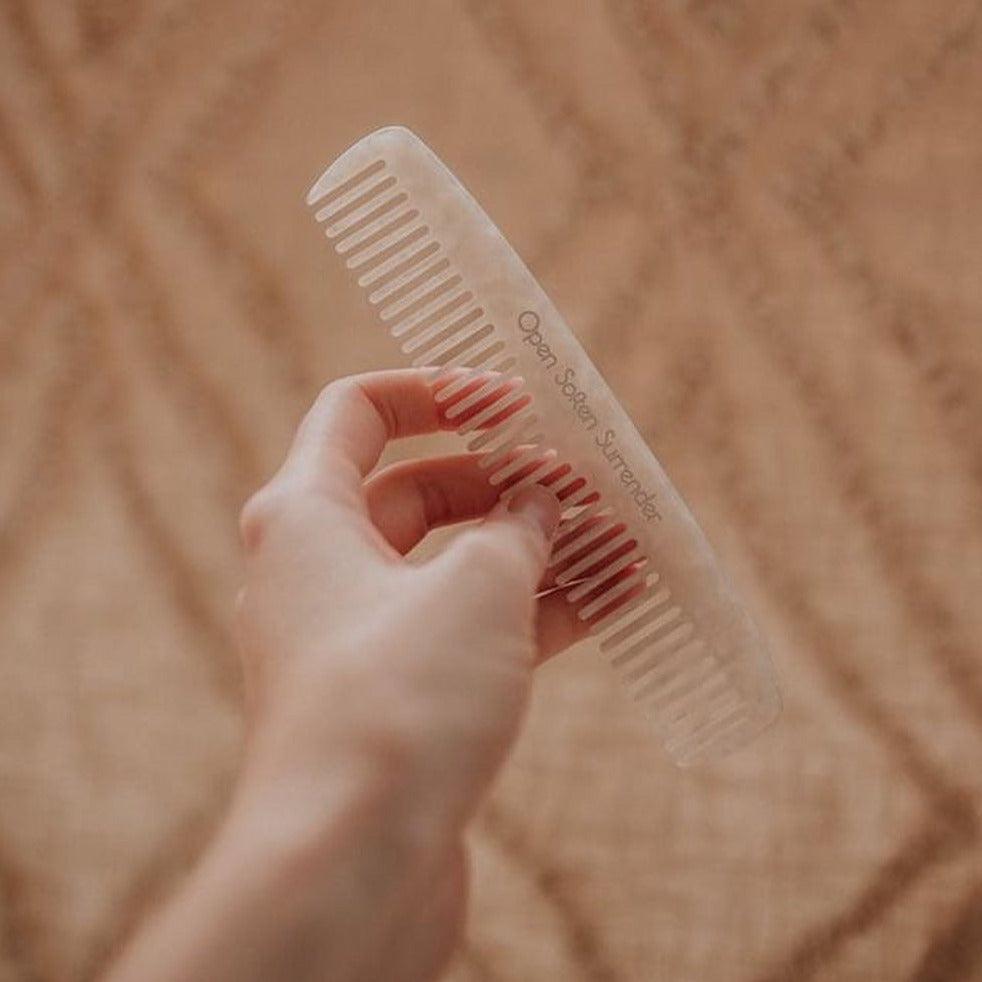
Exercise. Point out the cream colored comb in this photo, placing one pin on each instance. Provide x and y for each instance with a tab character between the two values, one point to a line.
458	299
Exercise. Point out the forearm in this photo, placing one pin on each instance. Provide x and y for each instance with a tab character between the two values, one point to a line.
379	709
306	880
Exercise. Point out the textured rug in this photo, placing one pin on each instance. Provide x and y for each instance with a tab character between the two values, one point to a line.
763	221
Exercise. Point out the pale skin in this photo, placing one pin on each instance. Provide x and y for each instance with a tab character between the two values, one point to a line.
382	697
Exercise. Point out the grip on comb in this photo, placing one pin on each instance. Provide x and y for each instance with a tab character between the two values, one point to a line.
458	299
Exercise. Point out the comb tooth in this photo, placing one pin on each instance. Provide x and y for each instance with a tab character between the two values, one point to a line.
430	274
407	268
358	220
591	584
460	383
432	312
678	677
556	477
668	620
577	523
689	706
596	555
571	479
525	458
716	743
421	299
726	735
494	388
323	194
586	519
363	210
687	694
376	265
578	543
445	339
408	282
435	328
603	552
606	607
423	290
376	256
505	404
408	257
478	395
647	596
513	430
582	498
352	201
726	722
460	345
580	492
646	617
374	231
489	435
490	379
669	658
664	626
475	355
534	476
398	285
664	656
520	462
625	586
714	712
433	316
671	693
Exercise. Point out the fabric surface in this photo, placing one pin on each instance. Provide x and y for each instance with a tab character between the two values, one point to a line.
762	220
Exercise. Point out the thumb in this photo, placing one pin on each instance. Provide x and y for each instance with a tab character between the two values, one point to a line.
511	546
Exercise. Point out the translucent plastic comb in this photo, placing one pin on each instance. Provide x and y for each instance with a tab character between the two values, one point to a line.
456	297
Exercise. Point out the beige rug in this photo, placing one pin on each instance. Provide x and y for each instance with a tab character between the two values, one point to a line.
763	220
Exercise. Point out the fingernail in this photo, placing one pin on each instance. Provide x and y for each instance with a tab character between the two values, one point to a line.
537	505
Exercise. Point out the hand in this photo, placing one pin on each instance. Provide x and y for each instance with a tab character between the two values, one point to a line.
382	696
345	642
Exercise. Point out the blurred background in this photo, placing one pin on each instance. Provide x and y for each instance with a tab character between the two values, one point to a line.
761	217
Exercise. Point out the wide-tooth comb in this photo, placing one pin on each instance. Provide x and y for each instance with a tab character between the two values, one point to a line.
458	299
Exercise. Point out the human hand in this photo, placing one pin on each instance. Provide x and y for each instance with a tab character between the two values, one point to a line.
345	643
381	697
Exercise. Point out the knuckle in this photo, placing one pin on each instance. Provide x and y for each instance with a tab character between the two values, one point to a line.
479	550
357	389
338	388
437	504
259	513
489	555
339	391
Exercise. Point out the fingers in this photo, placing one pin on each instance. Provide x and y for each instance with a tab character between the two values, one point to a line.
505	556
346	430
556	626
578	549
343	435
407	500
558	622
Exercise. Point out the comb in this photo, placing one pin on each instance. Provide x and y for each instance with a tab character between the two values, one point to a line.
628	554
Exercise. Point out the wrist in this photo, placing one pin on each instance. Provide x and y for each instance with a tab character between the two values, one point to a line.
306	816
303	872
311	791
310	772
335	867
